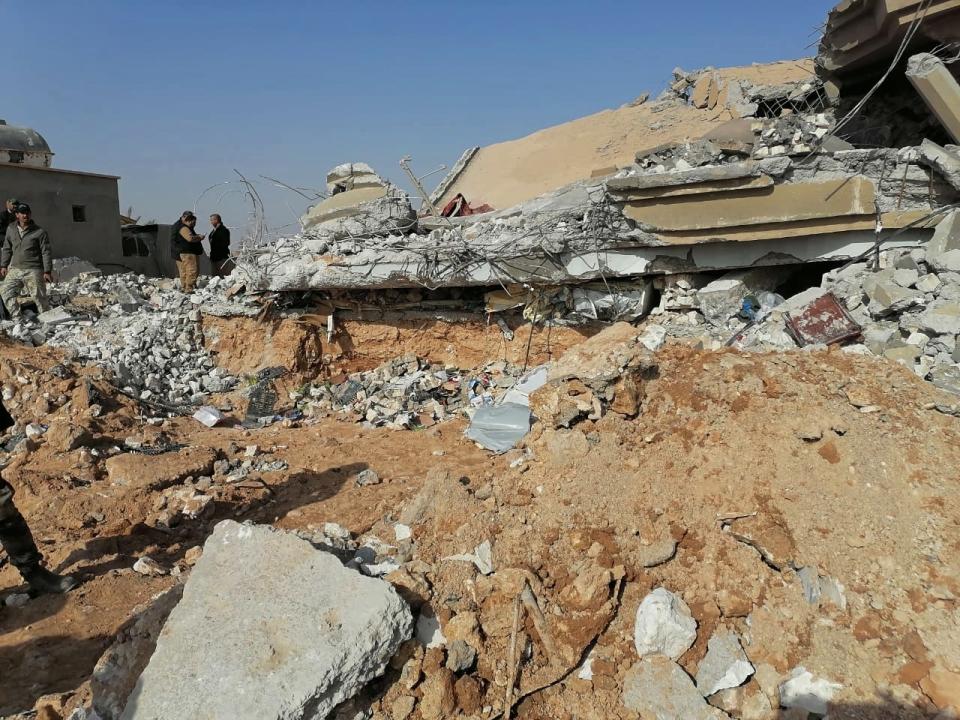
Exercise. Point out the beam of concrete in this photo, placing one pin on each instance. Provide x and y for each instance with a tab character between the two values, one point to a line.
938	88
791	202
400	270
706	188
712	173
945	162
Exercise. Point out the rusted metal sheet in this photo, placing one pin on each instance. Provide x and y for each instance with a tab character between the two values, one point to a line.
824	321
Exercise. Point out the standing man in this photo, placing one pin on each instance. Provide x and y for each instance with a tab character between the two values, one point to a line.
187	248
26	263
219	246
18	542
8	215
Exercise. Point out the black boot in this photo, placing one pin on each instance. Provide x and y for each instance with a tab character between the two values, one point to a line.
42	581
17	540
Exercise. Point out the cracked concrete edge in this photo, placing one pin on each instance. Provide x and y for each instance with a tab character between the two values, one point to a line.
451	177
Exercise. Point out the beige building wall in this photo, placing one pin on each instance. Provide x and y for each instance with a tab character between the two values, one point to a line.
81	211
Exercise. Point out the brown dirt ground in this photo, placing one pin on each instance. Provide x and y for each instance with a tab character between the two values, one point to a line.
872	503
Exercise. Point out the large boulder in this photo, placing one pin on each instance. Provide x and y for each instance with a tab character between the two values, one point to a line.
269	628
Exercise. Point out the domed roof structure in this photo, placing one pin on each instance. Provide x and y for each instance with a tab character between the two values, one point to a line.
22	139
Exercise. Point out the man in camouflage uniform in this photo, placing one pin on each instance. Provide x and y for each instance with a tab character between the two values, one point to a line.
17	541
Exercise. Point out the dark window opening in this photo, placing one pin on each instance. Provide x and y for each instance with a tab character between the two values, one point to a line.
16	156
134	247
79	213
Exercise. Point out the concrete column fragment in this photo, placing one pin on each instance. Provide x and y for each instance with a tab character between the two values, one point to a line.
938	88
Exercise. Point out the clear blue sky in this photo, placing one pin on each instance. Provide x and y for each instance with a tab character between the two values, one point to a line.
172	95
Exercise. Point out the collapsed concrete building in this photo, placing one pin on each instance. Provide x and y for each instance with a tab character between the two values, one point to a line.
728	169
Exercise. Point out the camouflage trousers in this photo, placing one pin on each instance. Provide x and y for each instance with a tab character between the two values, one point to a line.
15	536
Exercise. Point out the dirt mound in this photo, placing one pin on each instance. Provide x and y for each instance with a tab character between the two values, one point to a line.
743	476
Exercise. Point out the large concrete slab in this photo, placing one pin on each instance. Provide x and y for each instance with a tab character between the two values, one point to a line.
779	204
269	628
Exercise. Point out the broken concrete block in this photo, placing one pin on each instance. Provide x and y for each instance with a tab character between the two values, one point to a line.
888	298
367	476
269	627
938	88
879	337
656	687
55	316
747	702
351	176
664	625
944	161
119	667
903	353
720	300
802	690
653	337
460	656
940	319
611	362
946	377
361	203
704	90
928	283
149	567
724	666
905	278
946	239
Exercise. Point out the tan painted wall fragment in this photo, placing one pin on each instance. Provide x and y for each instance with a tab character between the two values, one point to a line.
800	228
775	205
714	95
706	188
701	91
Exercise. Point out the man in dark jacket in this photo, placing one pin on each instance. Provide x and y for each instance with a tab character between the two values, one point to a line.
26	263
8	216
219	246
187	247
18	542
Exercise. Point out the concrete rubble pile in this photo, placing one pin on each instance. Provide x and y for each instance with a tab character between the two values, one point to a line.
408	392
708	89
906	308
773	186
441	252
146	333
